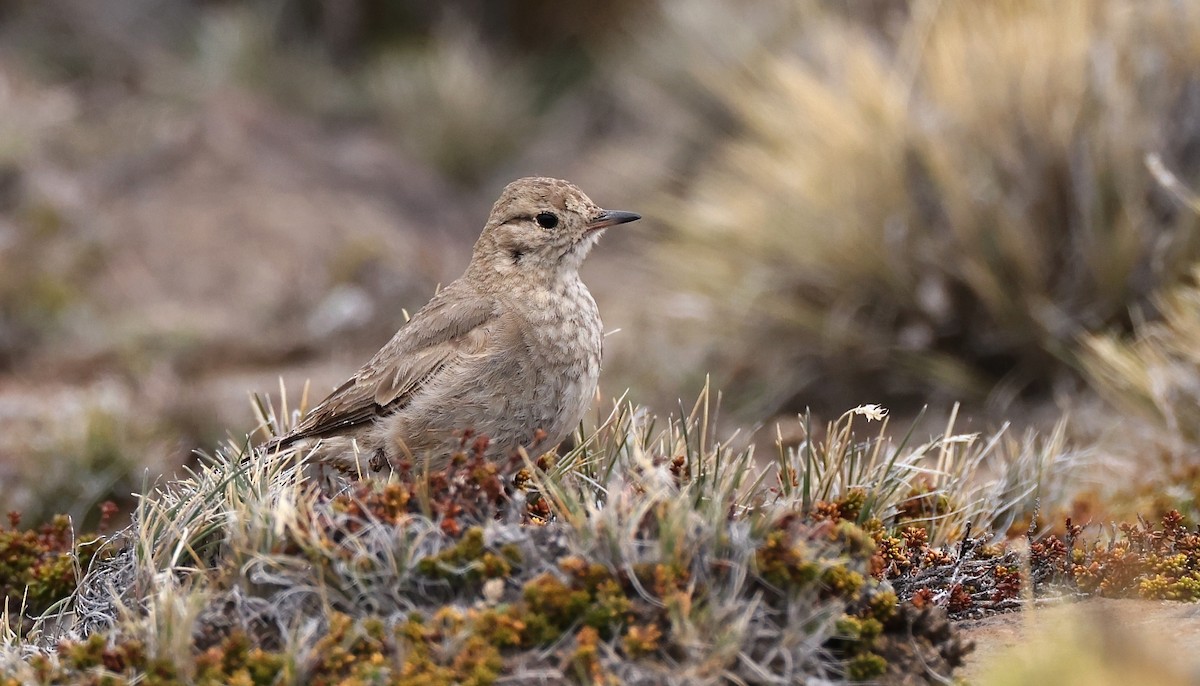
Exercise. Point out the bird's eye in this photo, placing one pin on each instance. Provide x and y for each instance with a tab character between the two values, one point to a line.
546	220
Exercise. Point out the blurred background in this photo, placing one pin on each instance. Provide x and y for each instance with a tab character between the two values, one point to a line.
906	202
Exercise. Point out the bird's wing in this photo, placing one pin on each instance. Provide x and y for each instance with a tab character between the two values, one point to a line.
453	326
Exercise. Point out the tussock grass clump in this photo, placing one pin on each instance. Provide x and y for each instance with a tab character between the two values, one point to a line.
647	554
947	486
1155	374
1153	377
946	205
68	451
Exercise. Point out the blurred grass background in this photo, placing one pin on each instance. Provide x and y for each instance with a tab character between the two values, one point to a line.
896	201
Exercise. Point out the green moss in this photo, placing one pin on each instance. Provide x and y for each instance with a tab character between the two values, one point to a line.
847	508
608	609
848	627
865	666
1153	562
664	580
882	605
468	560
37	568
85	655
853	541
552	608
474	662
585	661
591	596
785	561
871	629
642	640
785	565
234	661
237	661
842	582
502	626
390	503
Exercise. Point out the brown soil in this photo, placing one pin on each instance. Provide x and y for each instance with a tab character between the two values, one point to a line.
1157	640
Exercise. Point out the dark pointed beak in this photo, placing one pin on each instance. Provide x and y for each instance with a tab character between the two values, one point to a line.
609	218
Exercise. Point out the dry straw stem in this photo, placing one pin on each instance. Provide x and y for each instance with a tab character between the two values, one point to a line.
948	205
66	450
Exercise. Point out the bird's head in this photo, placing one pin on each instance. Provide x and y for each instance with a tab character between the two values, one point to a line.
542	226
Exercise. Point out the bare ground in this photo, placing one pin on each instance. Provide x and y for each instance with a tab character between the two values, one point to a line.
1150	642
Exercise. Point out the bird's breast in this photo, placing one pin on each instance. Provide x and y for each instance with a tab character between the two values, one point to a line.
562	338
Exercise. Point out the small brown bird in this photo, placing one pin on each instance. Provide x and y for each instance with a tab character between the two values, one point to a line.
510	350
